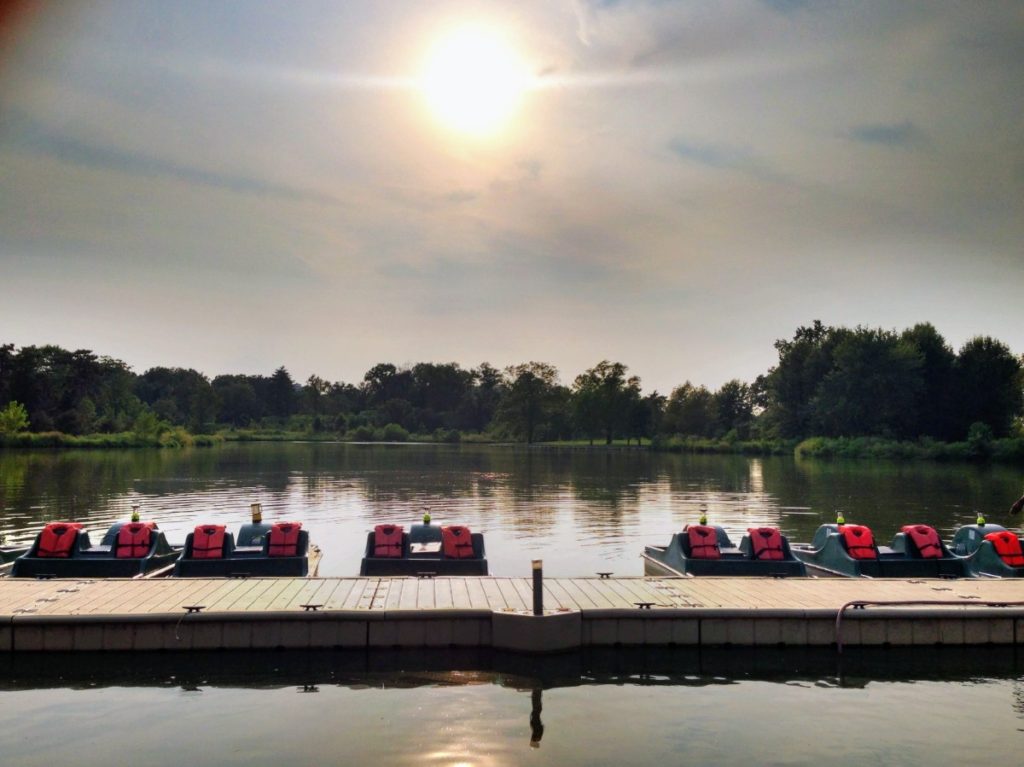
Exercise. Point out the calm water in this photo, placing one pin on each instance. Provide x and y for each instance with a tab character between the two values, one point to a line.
640	708
579	511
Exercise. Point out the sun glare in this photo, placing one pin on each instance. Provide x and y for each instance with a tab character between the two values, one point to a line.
473	80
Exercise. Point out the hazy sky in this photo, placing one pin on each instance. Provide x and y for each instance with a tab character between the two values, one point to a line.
233	186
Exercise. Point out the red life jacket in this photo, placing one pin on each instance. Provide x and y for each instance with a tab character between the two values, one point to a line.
134	540
766	542
1007	546
703	542
926	540
387	541
58	539
860	543
458	542
208	542
284	539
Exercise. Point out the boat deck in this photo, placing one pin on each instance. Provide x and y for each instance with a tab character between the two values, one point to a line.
493	611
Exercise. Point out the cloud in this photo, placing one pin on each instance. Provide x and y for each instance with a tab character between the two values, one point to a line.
34	136
721	157
902	135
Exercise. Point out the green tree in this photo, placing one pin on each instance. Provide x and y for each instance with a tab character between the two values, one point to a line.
933	405
690	411
529	392
871	389
13	418
605	397
733	409
987	386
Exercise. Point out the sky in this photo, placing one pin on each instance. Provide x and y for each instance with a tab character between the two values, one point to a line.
235	186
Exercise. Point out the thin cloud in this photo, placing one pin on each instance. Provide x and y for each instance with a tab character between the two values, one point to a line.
902	135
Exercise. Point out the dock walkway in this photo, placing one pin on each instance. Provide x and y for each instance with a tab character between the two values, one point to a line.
184	614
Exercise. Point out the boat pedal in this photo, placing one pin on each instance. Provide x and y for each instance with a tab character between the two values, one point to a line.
425	575
45	576
644	605
239	575
310	608
604	576
193	608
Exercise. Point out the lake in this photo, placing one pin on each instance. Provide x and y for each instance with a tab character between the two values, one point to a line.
580	511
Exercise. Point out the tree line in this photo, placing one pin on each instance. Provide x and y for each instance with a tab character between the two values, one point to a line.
828	381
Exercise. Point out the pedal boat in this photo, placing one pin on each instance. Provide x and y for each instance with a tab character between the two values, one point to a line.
261	550
425	550
64	550
708	550
989	551
850	551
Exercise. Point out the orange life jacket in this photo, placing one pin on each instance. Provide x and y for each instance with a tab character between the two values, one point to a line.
860	543
284	539
58	539
703	542
766	542
208	542
134	540
387	541
458	542
926	540
1007	546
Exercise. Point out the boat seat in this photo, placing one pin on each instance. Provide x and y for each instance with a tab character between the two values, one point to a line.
457	542
1007	546
209	542
134	540
283	539
702	542
765	543
858	541
923	541
57	540
387	541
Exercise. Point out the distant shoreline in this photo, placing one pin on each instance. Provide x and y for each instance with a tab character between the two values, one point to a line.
1009	450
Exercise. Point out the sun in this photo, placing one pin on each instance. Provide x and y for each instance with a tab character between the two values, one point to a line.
473	80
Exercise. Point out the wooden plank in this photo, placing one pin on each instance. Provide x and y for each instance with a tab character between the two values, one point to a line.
460	593
495	599
425	598
559	597
577	594
355	596
595	595
524	588
443	593
257	588
512	598
410	593
477	595
395	588
337	597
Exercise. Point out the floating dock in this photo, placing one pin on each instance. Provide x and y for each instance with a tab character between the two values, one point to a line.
493	612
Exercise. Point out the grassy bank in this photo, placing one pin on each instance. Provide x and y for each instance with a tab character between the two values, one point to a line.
127	439
703	445
1001	450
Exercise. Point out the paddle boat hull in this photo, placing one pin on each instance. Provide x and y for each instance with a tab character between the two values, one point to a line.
681	556
850	551
425	550
262	550
979	547
64	550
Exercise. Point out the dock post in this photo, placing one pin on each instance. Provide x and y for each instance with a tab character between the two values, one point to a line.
538	587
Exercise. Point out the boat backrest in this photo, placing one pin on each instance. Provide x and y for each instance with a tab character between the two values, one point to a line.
208	542
1007	546
859	541
457	542
283	539
387	541
765	543
57	540
924	540
703	542
134	540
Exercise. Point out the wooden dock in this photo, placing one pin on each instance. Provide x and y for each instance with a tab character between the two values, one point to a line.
187	614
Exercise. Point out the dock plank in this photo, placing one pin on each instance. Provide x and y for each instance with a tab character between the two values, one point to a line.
510	595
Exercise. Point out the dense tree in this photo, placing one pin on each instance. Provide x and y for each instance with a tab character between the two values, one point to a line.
690	411
530	391
733	409
933	404
605	398
987	386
